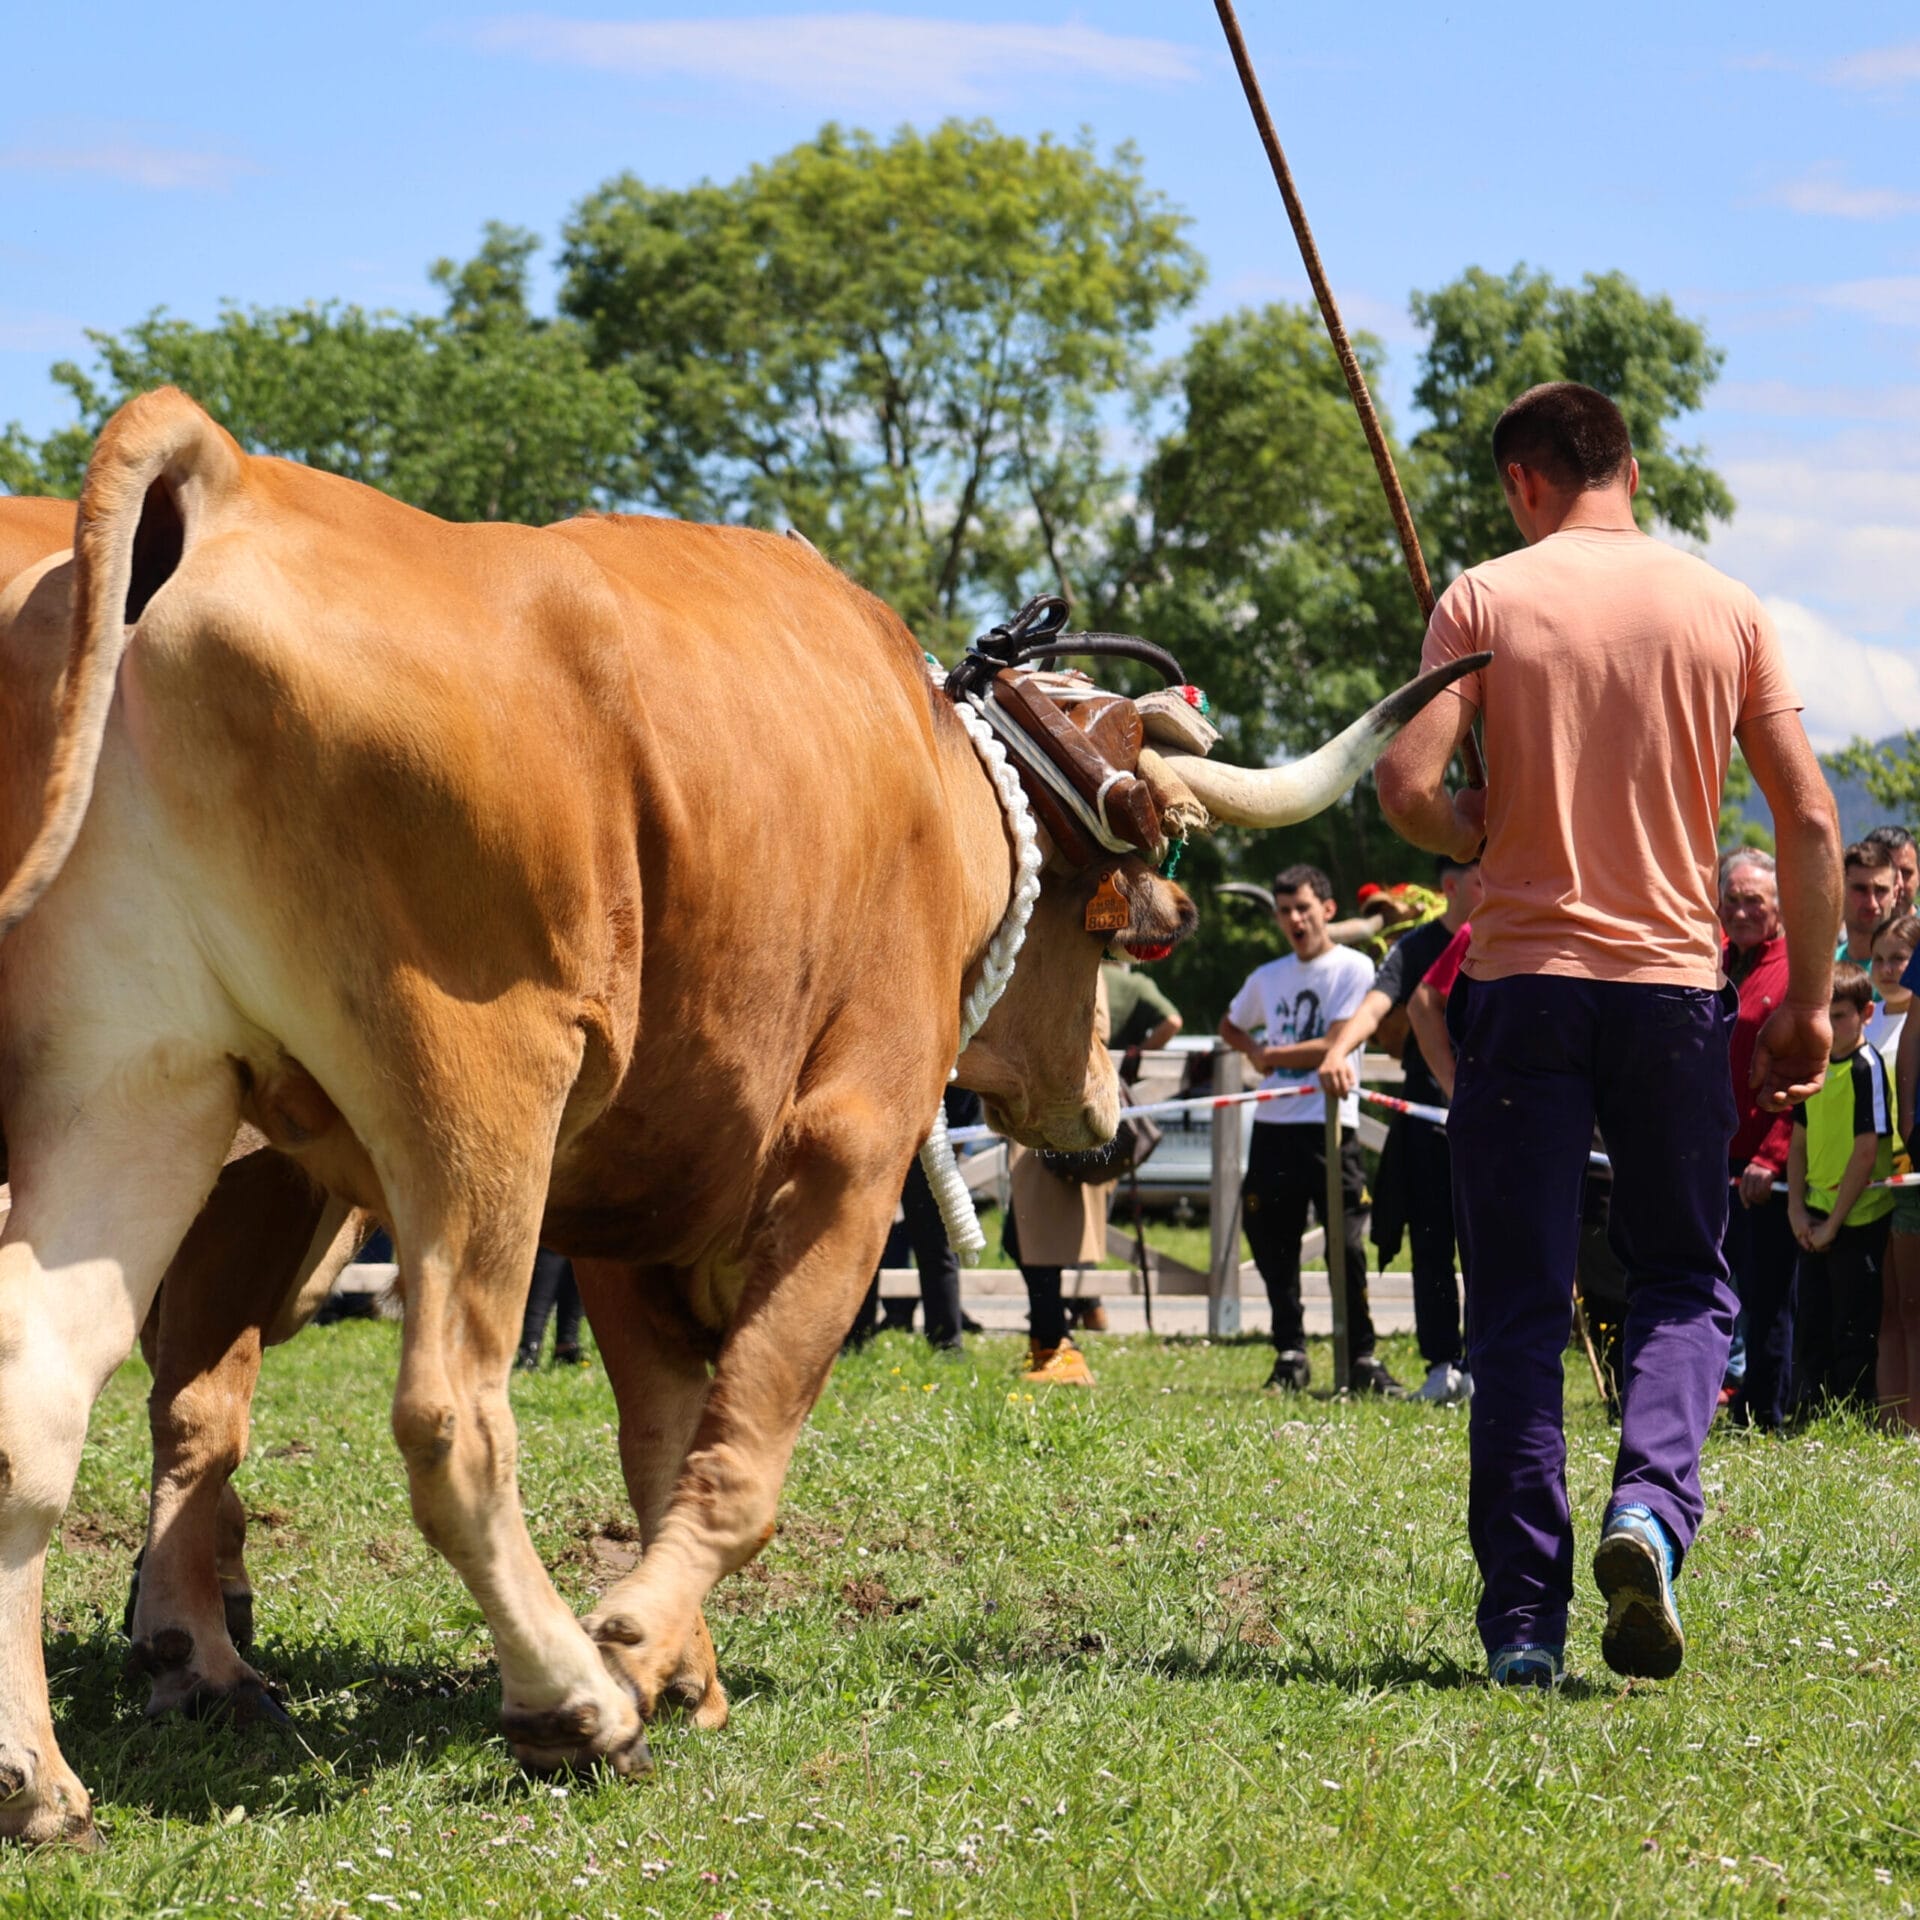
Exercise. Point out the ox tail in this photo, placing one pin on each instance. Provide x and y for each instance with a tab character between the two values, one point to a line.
159	467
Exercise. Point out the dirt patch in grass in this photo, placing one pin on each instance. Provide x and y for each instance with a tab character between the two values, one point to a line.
872	1600
92	1533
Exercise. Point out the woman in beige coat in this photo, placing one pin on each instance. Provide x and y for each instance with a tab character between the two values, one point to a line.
1054	1224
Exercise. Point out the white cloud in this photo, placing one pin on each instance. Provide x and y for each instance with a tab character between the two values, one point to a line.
1784	400
1893	300
132	163
873	60
1825	194
1878	68
1851	687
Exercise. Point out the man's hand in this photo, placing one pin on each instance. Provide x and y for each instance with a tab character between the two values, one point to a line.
1801	1221
1337	1076
1790	1057
1823	1235
1756	1184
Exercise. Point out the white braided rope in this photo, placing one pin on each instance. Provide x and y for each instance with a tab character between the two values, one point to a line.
936	1157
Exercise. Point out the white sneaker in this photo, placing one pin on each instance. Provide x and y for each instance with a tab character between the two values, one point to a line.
1466	1387
1442	1384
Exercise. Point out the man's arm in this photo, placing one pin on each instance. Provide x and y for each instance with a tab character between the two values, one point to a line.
1347	1037
1411	778
1162	1035
1790	1052
1427	1014
1301	1057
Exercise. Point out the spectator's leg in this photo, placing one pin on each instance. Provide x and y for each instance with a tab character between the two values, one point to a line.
1900	1331
1520	1130
1761	1248
542	1291
1046	1310
1436	1292
1273	1207
566	1317
1812	1333
1665	1103
938	1263
1854	1267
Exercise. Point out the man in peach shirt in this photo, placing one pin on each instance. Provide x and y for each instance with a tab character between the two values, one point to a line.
1623	672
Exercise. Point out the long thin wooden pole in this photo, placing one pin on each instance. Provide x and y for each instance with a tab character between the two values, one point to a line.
1342	347
1337	1276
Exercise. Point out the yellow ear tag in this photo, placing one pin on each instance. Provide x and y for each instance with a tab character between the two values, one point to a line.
1107	911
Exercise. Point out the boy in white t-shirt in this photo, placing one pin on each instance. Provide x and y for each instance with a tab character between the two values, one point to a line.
1279	1019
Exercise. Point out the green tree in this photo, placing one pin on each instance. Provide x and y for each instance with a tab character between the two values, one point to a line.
902	348
1492	338
483	412
1735	829
1890	772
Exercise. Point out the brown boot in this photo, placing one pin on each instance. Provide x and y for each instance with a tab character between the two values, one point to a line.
1061	1366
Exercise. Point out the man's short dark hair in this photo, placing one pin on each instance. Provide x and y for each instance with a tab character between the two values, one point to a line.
1292	879
1445	863
1896	840
1572	435
1851	984
1869	853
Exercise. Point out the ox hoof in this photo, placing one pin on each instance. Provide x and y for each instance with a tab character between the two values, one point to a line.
574	1740
251	1704
45	1807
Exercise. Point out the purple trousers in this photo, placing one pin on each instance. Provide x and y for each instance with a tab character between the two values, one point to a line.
1542	1058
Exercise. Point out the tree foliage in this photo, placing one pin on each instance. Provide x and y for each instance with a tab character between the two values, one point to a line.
483	412
1490	339
1890	772
903	348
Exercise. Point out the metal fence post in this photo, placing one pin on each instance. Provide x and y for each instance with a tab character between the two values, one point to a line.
1223	1214
1336	1223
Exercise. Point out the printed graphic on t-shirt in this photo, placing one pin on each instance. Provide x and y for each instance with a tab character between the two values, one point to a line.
1289	1001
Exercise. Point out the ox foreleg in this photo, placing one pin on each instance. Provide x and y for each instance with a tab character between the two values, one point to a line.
658	1367
104	1187
263	1235
816	1253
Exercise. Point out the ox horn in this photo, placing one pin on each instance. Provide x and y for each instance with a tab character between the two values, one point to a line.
1278	796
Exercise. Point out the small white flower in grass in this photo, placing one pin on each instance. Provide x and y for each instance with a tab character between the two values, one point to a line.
383	1853
1332	1786
1884	1875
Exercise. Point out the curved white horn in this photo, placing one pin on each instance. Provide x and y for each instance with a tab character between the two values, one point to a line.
1278	796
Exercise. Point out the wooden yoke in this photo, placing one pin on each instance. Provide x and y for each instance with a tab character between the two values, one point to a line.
1128	808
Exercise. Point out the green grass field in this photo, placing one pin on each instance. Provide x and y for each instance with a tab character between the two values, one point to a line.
1166	1647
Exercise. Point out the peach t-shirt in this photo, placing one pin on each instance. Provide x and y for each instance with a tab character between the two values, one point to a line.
1621	668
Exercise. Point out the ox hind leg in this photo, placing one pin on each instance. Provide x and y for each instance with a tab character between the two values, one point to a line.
466	1211
815	1251
266	1236
104	1187
658	1364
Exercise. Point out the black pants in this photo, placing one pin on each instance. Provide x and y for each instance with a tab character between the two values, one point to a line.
1436	1290
1287	1176
1761	1255
553	1295
923	1234
1836	1319
1046	1307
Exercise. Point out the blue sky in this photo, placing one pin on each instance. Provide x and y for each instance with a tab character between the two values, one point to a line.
1761	163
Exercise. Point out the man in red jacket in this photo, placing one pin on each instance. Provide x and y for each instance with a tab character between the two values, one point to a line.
1759	1245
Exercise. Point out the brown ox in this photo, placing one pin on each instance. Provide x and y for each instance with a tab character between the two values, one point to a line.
622	876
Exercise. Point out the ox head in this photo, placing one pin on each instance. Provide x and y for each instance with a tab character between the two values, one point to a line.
1039	1062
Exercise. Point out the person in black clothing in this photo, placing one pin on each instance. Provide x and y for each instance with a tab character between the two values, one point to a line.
924	1234
554	1294
1414	1191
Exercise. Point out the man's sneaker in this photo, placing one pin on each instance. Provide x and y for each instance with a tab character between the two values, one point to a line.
1527	1665
1061	1366
1633	1567
1291	1372
1369	1375
1466	1387
1441	1386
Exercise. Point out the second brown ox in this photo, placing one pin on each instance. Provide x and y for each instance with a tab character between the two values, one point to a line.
616	885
